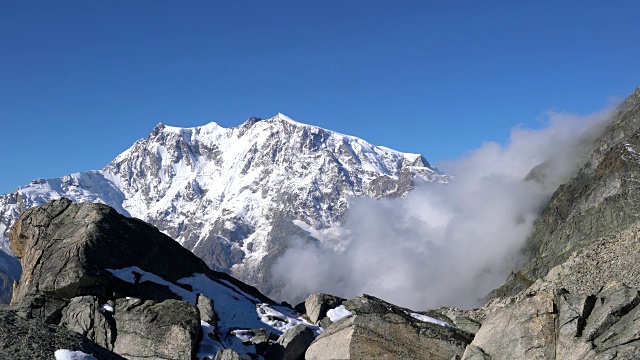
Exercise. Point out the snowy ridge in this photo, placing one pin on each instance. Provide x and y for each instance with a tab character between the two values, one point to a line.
234	196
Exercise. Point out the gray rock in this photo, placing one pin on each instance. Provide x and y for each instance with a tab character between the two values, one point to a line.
317	305
206	308
335	342
166	330
325	322
22	338
85	316
522	331
377	329
542	324
227	354
292	344
260	338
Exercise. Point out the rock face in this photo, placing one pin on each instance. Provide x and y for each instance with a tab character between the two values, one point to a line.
86	316
146	329
599	201
377	329
235	196
561	325
577	298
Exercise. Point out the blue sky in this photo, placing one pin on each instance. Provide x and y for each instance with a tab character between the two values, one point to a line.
80	81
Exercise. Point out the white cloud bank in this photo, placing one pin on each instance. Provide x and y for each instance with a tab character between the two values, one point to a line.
447	244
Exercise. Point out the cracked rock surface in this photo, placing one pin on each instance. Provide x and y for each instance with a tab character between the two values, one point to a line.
562	325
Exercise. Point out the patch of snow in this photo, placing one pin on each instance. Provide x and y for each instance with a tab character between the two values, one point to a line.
338	313
64	354
208	345
127	274
244	335
236	309
107	307
429	319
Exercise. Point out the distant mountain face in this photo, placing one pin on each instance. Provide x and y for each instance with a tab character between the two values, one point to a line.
236	196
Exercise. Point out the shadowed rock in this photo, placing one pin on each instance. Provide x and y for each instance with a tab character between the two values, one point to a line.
32	339
292	344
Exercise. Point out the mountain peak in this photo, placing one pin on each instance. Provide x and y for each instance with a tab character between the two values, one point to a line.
284	117
221	192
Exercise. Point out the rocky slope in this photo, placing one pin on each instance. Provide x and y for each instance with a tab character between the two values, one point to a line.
577	297
598	202
236	196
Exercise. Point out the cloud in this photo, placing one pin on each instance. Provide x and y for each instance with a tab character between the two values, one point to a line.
447	244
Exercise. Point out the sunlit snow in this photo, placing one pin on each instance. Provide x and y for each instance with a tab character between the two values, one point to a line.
236	310
338	313
64	354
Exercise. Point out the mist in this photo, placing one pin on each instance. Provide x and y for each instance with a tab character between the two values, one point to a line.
446	244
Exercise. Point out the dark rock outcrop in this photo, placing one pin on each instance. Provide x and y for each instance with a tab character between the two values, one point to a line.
86	316
23	339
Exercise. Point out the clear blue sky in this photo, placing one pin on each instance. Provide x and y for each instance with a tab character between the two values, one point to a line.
80	81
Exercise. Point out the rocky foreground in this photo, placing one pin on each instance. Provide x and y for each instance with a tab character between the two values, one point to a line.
133	292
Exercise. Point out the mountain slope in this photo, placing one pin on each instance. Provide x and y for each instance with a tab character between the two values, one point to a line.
597	203
237	196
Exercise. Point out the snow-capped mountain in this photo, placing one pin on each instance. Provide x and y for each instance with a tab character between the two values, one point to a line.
236	196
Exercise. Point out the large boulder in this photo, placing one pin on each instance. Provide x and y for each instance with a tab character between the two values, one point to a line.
121	283
137	329
317	305
377	329
66	250
166	330
526	330
292	344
